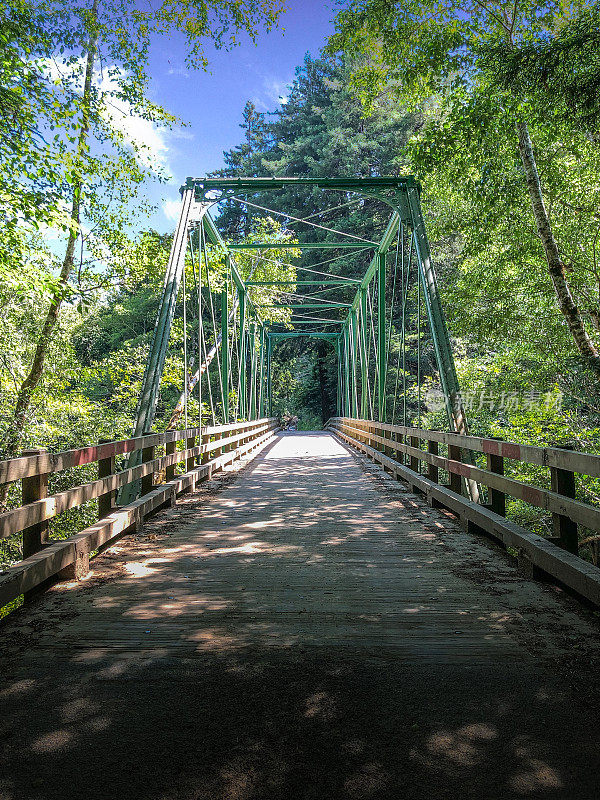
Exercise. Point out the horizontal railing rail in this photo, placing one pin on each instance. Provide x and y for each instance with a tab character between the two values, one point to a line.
204	451
403	450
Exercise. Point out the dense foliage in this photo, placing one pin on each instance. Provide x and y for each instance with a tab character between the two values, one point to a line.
448	93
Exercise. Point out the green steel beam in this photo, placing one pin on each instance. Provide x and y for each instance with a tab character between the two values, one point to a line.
260	375
215	237
381	352
364	366
242	305
386	242
346	336
252	404
225	350
153	371
304	305
338	396
403	196
205	185
353	361
301	245
340	282
269	383
319	321
437	318
294	334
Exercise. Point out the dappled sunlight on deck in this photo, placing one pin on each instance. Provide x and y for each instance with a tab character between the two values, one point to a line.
309	631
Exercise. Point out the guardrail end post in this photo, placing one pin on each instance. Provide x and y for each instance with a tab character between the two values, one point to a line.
527	568
80	567
171	498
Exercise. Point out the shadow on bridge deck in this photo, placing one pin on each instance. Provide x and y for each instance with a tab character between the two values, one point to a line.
310	630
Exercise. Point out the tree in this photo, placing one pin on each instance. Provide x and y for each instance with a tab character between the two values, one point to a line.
320	131
91	61
561	73
422	50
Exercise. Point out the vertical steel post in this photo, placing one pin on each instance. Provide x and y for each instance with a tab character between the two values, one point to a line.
353	361
269	382
261	394
346	372
381	354
225	346
364	367
253	370
338	397
144	415
242	305
436	317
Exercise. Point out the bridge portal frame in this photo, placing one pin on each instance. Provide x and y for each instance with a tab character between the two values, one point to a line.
402	195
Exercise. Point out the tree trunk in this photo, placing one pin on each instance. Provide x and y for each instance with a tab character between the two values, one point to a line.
14	434
556	268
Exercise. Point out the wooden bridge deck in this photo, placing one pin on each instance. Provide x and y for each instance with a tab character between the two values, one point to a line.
304	629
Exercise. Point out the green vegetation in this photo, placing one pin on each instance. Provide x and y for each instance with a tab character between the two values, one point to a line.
492	107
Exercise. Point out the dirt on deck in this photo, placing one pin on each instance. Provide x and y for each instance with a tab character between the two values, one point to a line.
301	627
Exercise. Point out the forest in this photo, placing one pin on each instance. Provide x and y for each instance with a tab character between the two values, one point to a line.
493	107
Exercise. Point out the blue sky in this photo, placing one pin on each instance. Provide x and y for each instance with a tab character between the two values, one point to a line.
211	103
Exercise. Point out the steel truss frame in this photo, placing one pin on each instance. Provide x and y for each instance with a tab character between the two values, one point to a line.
256	339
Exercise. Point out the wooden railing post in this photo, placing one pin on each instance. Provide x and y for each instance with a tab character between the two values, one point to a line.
433	472
170	449
564	529
106	467
497	498
190	442
454	454
394	449
204	440
147	455
32	489
399	454
414	461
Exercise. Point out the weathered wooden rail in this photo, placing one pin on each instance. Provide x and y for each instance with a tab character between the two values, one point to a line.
204	451
400	450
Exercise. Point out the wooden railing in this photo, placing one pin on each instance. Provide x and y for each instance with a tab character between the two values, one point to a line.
205	451
403	451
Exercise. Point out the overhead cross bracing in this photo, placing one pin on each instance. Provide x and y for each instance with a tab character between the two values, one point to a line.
250	312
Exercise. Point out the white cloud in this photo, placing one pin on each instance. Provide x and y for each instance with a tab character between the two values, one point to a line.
171	209
259	104
180	71
276	90
149	138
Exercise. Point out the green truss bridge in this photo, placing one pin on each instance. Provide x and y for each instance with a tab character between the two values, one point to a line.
255	613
